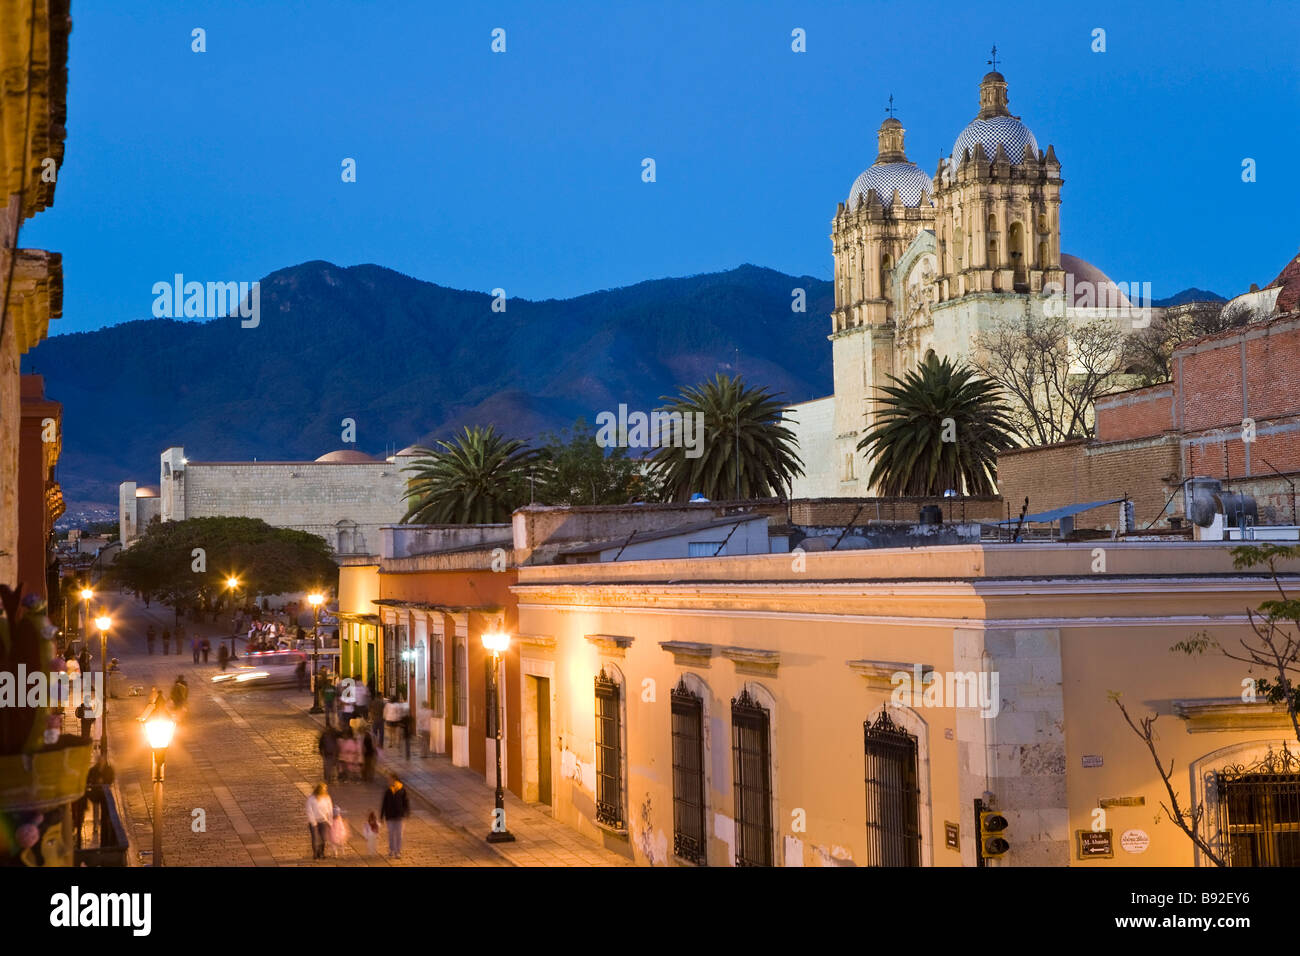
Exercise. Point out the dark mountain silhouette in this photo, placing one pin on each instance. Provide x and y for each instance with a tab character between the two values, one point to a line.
410	361
1187	295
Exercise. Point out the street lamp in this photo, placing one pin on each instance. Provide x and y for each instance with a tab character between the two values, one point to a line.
498	642
86	595
232	582
158	729
103	622
315	599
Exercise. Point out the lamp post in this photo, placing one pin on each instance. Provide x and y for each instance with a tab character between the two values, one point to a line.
232	582
497	642
315	599
84	626
158	729
103	622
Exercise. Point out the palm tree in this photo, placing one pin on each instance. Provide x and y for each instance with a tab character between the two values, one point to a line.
479	477
742	452
939	428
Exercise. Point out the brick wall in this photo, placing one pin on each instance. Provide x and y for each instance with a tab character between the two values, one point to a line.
1213	402
1053	476
1135	414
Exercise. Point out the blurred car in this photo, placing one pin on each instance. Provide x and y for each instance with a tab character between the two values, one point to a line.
263	669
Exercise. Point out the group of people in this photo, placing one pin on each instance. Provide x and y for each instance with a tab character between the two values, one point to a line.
169	639
327	827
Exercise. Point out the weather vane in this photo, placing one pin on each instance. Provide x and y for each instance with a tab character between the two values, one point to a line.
890	108
994	62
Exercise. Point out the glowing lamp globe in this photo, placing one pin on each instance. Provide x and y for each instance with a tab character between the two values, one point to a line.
159	730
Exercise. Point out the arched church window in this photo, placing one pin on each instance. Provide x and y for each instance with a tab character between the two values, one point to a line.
886	265
1042	222
1016	247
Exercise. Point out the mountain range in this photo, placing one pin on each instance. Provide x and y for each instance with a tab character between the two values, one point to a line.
410	361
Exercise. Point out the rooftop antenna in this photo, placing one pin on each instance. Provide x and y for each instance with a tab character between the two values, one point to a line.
994	62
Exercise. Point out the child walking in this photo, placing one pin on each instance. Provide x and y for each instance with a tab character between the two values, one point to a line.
371	832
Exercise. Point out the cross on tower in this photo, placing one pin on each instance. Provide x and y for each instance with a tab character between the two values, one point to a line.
994	62
890	108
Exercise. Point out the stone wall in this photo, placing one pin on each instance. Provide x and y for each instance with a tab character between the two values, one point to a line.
1053	476
813	426
321	498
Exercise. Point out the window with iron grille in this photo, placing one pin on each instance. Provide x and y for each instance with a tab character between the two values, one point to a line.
609	753
392	660
459	684
403	666
1259	811
893	795
688	774
436	678
751	748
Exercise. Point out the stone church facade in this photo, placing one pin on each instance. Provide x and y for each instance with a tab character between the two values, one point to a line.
924	264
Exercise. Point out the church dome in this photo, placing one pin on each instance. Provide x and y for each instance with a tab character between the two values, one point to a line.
891	170
1006	131
912	184
994	126
346	456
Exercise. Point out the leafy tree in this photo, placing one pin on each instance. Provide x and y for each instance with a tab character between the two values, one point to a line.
1148	353
1274	648
1052	372
164	564
743	450
940	427
573	469
479	477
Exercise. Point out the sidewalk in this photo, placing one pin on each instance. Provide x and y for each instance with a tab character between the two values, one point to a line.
460	798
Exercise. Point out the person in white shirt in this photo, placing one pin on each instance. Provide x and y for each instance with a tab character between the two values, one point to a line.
320	814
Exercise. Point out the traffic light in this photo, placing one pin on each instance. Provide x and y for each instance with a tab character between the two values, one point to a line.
993	834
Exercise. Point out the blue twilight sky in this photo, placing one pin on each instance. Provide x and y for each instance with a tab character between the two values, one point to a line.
523	170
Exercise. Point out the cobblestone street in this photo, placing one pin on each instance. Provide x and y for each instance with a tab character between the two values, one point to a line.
244	760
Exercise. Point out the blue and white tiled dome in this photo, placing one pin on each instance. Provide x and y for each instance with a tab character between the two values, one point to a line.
912	184
1012	134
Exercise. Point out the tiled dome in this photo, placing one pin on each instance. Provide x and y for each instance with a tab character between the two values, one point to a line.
912	184
1008	131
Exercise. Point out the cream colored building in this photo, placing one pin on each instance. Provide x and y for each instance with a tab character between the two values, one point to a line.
742	709
344	496
923	265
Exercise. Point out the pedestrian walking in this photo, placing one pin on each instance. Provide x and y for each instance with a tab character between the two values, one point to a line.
320	814
150	636
377	716
393	810
392	718
84	660
194	646
328	694
338	832
301	673
180	694
350	755
205	645
328	746
371	832
167	640
223	657
368	754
